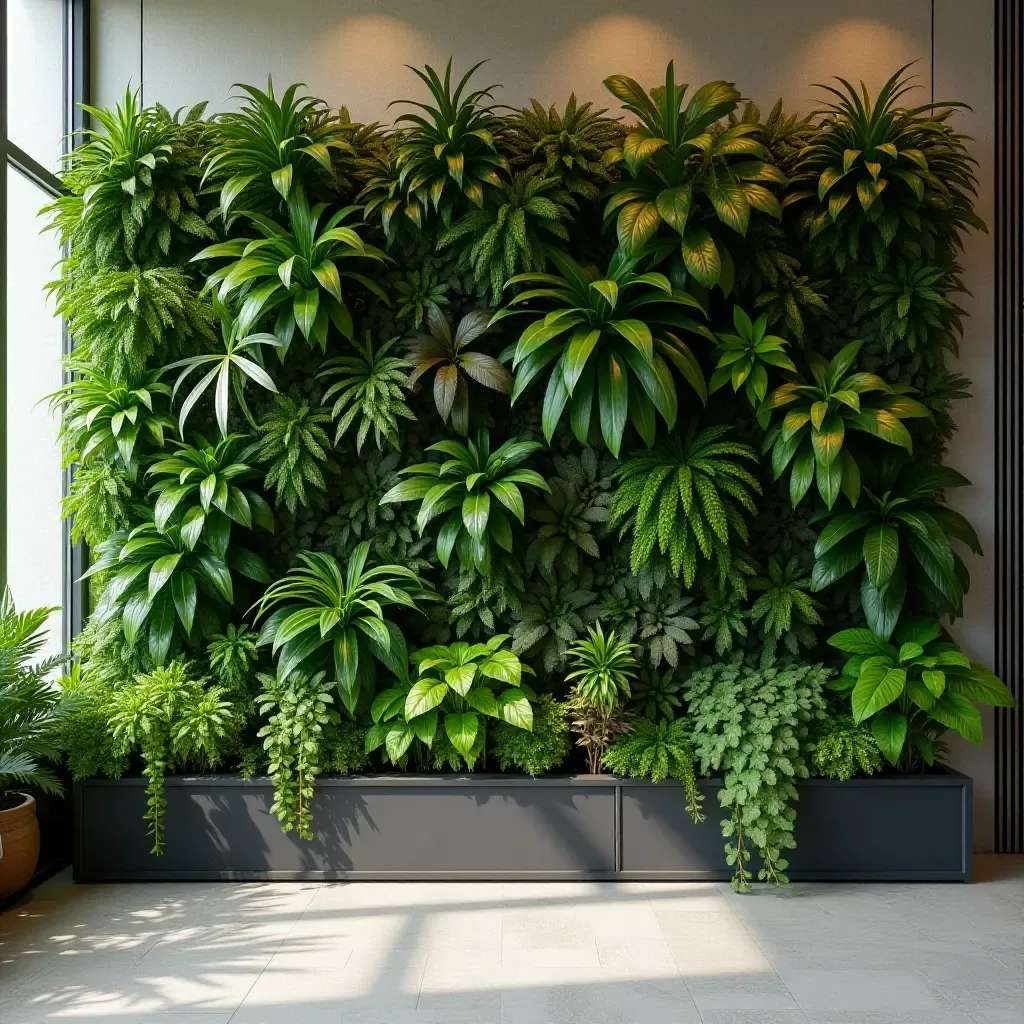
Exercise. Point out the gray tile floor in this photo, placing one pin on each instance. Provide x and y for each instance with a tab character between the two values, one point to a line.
544	953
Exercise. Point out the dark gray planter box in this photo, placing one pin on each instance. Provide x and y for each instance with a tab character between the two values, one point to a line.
898	828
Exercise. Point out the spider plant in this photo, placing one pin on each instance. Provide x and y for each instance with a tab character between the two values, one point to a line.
610	337
271	147
324	619
444	352
448	154
294	271
464	486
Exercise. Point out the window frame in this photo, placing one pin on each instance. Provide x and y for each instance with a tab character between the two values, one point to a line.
75	47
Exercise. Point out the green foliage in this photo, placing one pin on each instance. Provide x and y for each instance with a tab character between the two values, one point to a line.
619	351
742	357
568	146
722	616
786	607
465	486
689	175
453	690
82	736
133	184
444	352
753	724
685	496
122	320
478	601
172	719
540	749
550	620
97	501
297	708
915	688
294	271
658	751
295	444
846	749
510	234
323	619
31	711
602	669
811	435
418	292
881	178
656	694
445	159
233	655
370	388
578	502
272	148
902	535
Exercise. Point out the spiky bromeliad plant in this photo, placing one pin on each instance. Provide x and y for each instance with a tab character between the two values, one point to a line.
685	496
318	617
610	338
701	184
809	439
477	487
445	158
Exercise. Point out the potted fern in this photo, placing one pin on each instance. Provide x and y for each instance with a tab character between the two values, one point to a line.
30	712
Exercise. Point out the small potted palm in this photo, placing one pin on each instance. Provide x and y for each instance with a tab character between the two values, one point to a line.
602	669
30	714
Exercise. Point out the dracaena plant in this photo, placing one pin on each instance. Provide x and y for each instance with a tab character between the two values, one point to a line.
809	439
294	272
226	371
447	154
569	146
686	496
478	488
198	489
881	176
272	146
900	537
510	234
446	354
611	338
384	194
689	176
175	585
369	391
103	417
321	618
742	359
913	689
454	690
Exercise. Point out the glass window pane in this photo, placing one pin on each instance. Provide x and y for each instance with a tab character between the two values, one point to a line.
34	346
35	78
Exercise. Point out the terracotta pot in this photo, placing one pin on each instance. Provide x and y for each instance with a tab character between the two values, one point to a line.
19	834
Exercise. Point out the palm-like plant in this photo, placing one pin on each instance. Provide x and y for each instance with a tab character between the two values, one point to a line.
198	488
686	174
447	156
511	232
445	353
294	271
370	388
569	146
454	687
901	534
603	667
385	195
227	371
104	417
419	291
295	444
787	609
271	146
811	434
881	175
685	496
742	358
324	619
173	583
611	336
465	485
31	711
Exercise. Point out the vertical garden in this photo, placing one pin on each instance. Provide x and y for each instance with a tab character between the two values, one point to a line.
556	439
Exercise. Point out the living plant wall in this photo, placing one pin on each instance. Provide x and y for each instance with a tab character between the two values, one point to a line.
440	445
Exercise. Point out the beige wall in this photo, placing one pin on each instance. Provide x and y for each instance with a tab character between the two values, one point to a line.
352	53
